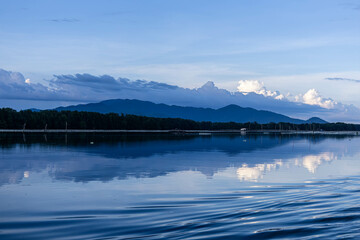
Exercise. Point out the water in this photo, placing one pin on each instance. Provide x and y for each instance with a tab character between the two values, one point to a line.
179	187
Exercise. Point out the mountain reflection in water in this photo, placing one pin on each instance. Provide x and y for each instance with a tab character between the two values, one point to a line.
83	158
179	187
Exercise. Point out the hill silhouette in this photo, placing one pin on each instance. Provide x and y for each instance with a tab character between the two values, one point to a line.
230	113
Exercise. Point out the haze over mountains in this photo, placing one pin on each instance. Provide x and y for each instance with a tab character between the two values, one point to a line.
230	113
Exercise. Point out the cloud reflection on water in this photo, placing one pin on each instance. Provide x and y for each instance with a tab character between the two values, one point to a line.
150	157
246	173
310	162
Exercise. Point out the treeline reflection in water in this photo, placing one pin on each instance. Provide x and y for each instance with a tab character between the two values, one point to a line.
103	157
73	186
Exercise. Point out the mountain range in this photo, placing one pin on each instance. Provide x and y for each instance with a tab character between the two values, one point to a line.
230	113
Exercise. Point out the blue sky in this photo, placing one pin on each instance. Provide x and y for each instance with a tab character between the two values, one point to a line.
290	46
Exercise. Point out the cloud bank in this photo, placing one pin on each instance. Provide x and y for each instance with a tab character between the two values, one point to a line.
13	85
85	88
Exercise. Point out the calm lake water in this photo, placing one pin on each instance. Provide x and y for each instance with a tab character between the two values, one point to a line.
179	187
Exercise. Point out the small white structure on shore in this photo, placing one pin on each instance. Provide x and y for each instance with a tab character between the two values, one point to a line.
243	129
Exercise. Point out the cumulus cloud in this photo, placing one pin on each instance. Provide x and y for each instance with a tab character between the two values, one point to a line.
248	86
312	97
253	86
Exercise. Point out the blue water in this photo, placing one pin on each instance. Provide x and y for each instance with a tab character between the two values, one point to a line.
179	187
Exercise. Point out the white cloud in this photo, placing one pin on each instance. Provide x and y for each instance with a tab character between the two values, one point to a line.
342	87
248	86
312	97
254	86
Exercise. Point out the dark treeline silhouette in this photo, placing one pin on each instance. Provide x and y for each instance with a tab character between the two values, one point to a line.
51	119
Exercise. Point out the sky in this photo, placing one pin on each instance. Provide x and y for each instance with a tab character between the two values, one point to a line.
300	51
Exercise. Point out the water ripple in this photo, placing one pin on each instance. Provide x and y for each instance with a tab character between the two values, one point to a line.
321	209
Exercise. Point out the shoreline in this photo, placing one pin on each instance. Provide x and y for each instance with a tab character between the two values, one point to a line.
176	131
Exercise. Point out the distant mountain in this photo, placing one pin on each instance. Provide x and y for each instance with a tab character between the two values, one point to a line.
316	120
230	113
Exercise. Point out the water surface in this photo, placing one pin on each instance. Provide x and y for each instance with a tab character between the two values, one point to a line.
177	187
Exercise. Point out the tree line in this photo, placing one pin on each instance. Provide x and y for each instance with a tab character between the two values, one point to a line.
51	119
